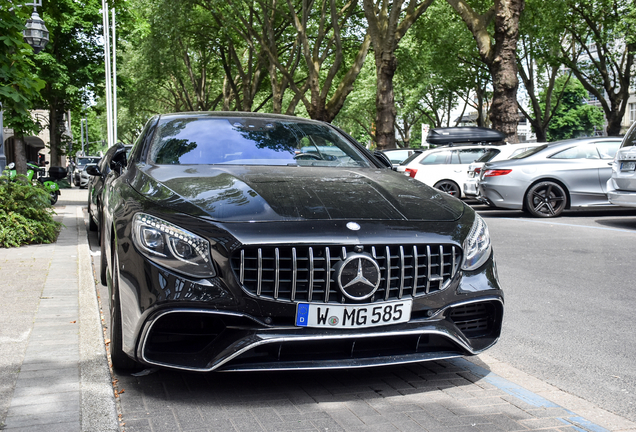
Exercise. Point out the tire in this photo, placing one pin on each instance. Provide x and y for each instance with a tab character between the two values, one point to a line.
119	359
450	187
92	226
53	198
546	199
102	258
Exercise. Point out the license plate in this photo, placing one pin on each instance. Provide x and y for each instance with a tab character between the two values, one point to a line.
628	166
353	316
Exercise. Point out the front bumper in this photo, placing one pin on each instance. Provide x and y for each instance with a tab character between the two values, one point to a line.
237	342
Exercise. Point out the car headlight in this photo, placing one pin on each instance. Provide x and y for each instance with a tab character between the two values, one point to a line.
477	245
170	246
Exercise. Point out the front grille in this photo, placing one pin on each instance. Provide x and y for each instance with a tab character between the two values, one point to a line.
307	273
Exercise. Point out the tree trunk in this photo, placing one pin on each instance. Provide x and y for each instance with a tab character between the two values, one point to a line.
498	53
504	113
19	152
386	65
54	135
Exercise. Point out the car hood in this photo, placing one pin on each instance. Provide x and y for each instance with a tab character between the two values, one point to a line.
249	194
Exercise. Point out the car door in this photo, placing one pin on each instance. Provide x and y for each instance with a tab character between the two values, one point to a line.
578	167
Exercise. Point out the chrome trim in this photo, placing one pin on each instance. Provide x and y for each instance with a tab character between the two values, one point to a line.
454	269
441	264
277	274
428	269
260	271
328	281
294	274
310	293
415	266
387	254
265	339
402	272
242	275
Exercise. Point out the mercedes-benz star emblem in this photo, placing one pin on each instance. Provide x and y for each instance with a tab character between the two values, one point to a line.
358	276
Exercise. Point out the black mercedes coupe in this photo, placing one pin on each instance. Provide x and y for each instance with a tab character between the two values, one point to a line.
240	241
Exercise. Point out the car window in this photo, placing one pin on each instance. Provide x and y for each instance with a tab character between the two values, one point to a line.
436	158
87	160
488	155
410	158
467	156
529	152
581	151
248	141
630	137
607	149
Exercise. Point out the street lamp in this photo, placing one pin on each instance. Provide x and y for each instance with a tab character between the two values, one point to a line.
37	35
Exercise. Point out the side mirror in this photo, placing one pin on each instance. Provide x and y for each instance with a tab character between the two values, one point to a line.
93	170
118	161
384	159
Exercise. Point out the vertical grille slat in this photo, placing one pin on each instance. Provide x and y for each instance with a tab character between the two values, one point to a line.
309	273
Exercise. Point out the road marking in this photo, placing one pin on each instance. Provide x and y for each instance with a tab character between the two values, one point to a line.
576	421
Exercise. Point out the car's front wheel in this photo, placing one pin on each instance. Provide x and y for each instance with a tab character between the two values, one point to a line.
546	199
448	186
118	358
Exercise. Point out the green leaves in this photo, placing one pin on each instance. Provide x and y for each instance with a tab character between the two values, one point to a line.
26	216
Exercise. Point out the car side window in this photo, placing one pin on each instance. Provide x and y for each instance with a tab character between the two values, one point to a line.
468	156
607	149
581	151
436	158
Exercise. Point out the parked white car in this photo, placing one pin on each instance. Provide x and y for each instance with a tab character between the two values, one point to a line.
621	187
500	153
444	168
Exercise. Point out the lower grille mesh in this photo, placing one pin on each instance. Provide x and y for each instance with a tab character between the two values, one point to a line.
307	273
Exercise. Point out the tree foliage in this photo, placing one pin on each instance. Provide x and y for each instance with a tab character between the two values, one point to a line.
572	117
19	85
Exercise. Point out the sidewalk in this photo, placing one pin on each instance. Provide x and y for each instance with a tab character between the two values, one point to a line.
54	372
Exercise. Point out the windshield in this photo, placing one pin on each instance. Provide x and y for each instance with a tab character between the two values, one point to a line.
529	152
486	157
88	160
250	141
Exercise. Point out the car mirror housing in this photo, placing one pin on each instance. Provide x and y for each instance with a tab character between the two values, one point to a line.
93	170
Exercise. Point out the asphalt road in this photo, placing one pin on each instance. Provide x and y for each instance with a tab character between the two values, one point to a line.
570	301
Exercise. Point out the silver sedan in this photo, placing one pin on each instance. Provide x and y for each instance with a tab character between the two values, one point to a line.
551	178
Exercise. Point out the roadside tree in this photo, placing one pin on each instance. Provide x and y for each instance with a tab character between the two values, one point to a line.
19	84
572	117
495	28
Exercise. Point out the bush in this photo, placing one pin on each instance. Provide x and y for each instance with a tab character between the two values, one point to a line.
26	214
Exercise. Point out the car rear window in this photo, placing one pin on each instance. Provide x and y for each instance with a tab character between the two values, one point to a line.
250	141
529	152
487	157
630	138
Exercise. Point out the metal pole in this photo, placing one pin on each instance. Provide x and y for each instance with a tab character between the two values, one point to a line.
3	157
114	82
82	134
85	131
109	121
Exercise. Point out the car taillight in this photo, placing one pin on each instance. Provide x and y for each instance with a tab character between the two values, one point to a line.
496	172
410	172
477	171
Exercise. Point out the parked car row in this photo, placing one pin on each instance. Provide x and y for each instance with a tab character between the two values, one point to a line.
243	241
543	179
